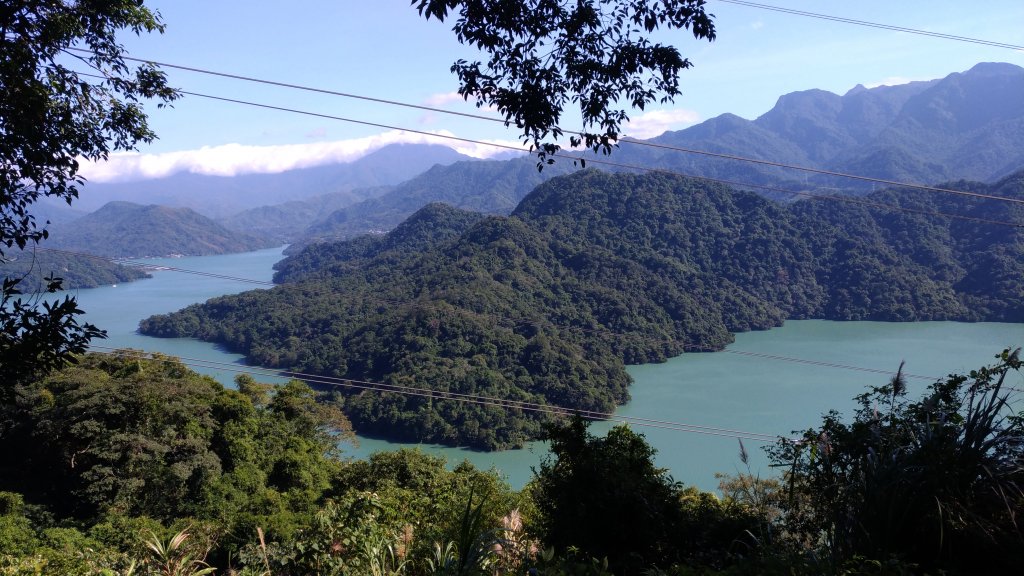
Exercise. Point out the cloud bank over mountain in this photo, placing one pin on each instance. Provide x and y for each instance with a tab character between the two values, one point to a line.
238	159
656	122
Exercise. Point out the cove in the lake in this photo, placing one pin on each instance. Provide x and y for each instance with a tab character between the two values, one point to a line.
771	382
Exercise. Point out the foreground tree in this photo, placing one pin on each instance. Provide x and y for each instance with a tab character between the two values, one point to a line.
937	483
545	55
605	499
53	115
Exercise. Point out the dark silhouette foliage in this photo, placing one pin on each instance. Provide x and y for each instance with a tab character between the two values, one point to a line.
936	483
545	55
50	116
606	498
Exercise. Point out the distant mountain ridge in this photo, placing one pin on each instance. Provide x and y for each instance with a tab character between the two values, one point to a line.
222	196
490	187
285	223
124	229
968	125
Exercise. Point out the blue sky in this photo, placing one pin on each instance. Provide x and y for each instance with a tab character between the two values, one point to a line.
384	49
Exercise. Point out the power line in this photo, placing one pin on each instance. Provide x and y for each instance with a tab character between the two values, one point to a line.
151	266
849	199
465	398
828	364
307	88
844	20
644	143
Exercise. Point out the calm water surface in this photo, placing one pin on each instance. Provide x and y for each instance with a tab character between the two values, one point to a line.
770	382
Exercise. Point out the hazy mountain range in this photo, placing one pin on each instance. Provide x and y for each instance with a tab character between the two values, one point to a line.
492	187
968	125
222	196
124	229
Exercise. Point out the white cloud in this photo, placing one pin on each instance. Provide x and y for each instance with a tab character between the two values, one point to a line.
653	123
890	81
445	99
756	25
438	100
235	159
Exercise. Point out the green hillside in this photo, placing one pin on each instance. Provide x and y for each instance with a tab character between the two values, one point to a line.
76	272
594	271
491	187
124	230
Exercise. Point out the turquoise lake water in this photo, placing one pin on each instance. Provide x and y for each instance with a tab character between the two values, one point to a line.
770	382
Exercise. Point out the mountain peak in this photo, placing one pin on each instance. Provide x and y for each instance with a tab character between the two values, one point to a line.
989	69
402	151
855	90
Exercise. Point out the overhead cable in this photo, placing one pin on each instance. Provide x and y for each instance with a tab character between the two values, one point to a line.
465	398
629	142
844	20
838	198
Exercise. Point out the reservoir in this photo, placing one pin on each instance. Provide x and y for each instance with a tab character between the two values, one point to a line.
771	382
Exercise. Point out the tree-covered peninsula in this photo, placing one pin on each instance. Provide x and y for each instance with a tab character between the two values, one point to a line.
595	271
34	267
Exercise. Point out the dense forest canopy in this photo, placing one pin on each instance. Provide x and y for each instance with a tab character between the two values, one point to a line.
594	271
75	271
130	463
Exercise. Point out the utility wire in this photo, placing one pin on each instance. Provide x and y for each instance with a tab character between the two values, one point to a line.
630	142
849	199
460	397
307	88
940	35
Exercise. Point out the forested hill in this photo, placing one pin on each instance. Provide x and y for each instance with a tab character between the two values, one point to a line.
124	229
34	267
593	271
493	187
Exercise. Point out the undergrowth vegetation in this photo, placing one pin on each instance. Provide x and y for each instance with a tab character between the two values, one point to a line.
124	465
